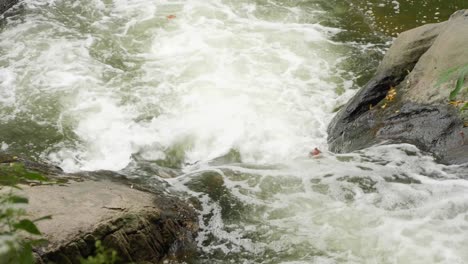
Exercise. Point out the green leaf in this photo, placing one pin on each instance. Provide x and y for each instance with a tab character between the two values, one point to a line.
37	242
464	107
8	179
28	226
18	199
458	86
34	176
25	255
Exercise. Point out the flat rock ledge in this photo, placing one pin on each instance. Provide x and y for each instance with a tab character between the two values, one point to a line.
406	101
141	224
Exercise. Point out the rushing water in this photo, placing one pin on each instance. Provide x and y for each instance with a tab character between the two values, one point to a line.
233	95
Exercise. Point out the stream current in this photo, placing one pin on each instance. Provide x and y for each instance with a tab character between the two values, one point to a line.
230	96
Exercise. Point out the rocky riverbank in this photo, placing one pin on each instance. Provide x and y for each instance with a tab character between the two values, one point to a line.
412	97
140	222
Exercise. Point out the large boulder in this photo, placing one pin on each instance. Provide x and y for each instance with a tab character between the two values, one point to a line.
408	99
140	226
137	218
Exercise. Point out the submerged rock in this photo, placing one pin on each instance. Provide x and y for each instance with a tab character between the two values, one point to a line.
408	100
141	223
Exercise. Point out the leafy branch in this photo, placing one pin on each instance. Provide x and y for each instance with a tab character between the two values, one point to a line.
102	255
18	233
15	227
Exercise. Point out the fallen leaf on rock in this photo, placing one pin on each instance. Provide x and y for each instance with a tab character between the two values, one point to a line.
457	103
171	17
391	94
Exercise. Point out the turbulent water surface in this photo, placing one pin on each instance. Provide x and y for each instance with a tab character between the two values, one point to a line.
232	95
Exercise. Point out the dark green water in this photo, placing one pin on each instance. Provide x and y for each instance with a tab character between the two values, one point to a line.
393	17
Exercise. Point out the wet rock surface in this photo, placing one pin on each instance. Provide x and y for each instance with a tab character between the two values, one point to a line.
142	223
418	110
6	4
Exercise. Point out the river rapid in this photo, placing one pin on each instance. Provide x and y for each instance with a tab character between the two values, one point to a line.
231	96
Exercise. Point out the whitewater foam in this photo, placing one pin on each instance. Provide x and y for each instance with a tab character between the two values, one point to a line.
216	77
